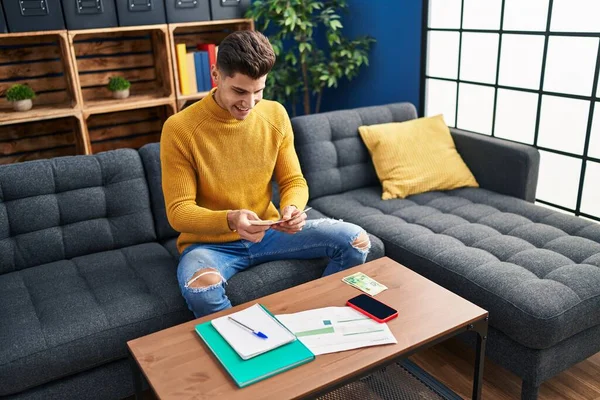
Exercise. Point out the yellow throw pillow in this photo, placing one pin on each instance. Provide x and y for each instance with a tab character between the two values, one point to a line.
415	156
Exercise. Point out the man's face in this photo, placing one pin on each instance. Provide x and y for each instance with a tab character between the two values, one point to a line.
239	93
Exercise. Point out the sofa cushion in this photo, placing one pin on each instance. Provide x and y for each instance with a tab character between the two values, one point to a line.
415	156
272	277
69	316
57	209
150	155
535	270
171	246
333	157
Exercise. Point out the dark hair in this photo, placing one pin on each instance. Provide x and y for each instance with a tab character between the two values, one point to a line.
246	52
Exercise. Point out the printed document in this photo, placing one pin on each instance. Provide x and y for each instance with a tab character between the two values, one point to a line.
333	329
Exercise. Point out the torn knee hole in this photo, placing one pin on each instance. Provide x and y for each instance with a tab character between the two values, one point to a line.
205	278
362	242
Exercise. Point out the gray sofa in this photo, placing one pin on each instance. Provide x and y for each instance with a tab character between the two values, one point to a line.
88	262
535	270
88	258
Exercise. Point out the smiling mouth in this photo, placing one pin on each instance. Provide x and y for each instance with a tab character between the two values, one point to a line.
241	109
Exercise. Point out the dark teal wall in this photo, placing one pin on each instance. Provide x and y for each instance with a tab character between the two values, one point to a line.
394	71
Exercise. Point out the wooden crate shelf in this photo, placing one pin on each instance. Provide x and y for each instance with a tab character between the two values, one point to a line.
184	99
134	28
140	54
42	61
136	101
37	113
231	24
131	128
74	113
41	139
194	33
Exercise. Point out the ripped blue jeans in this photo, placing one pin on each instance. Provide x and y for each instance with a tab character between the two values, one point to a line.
319	238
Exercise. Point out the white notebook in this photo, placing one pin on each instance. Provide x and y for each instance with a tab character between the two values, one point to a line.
244	342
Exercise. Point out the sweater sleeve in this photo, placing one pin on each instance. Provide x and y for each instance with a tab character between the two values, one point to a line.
179	183
292	185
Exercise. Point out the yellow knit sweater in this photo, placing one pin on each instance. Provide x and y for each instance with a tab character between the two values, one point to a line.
212	163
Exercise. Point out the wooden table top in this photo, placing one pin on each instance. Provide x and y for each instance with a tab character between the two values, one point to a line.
178	365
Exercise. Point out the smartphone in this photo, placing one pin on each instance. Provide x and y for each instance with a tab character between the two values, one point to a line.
372	308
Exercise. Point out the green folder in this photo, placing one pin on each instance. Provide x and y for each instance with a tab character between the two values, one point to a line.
247	372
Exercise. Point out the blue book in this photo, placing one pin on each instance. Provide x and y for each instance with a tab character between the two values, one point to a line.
206	65
247	372
199	71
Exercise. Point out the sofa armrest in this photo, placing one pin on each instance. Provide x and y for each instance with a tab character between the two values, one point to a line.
499	165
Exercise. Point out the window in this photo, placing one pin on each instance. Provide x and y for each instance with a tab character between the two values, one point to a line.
525	71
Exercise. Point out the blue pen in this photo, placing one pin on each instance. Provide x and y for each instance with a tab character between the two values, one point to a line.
257	333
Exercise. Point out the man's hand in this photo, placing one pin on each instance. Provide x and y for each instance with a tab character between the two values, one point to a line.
238	221
294	220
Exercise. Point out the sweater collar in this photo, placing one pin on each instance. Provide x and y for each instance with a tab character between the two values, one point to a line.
217	111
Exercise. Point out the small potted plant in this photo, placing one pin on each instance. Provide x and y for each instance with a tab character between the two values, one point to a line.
20	96
119	87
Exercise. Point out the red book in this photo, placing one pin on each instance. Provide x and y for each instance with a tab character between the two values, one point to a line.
212	58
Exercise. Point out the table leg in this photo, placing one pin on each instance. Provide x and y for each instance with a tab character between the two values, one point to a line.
138	378
480	328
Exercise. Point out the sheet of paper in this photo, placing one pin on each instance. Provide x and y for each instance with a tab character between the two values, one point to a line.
333	329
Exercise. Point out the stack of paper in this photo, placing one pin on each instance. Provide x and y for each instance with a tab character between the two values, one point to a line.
262	362
245	343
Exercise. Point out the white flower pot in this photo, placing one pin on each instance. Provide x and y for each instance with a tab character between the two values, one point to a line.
22	105
121	94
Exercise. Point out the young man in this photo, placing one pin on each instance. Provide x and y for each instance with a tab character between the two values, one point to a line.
218	157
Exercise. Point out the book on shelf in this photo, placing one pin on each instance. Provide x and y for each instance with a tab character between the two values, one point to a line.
211	49
203	75
206	74
194	68
199	71
191	67
184	83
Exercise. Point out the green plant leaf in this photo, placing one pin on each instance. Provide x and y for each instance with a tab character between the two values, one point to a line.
335	24
19	92
117	83
291	29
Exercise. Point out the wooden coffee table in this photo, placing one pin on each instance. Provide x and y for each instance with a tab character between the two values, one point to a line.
178	365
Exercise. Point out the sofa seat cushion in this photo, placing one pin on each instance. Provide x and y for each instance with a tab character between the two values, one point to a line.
535	270
69	316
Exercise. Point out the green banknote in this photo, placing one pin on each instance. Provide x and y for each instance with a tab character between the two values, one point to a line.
364	283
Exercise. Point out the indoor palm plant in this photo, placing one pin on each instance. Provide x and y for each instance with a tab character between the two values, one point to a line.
20	96
303	65
119	87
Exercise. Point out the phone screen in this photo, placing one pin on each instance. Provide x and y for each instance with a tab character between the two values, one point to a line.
372	306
